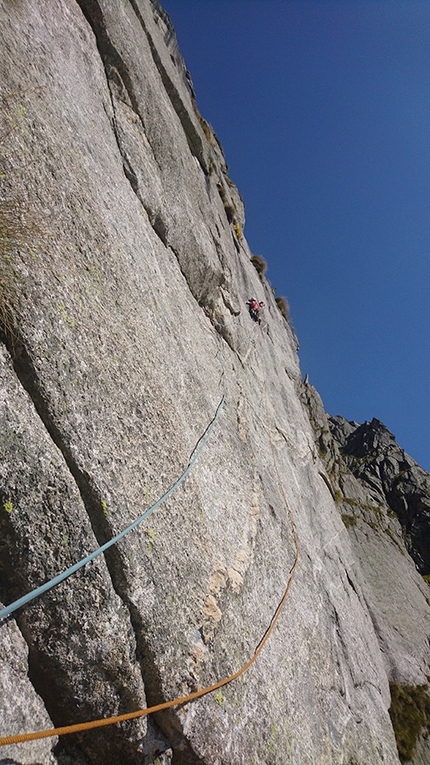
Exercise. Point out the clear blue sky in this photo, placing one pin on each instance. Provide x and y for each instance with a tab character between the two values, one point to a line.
323	110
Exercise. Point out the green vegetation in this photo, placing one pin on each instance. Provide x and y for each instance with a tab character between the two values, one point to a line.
66	318
350	501
8	507
426	578
148	495
273	738
259	264
394	539
228	205
151	535
219	697
284	308
104	508
410	715
207	129
349	520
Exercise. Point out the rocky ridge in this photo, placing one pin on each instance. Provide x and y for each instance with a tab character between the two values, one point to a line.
392	478
118	224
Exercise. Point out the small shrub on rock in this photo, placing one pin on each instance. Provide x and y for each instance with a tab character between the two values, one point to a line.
284	308
349	520
260	265
410	715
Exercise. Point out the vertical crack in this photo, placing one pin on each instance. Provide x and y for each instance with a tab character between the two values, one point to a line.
117	76
167	721
194	140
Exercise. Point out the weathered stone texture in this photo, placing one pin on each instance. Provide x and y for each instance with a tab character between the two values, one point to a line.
78	663
365	469
112	372
374	457
21	707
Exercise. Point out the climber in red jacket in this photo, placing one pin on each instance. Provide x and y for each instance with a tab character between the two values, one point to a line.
254	309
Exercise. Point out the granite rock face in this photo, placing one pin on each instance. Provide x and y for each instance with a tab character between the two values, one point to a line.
21	706
118	225
367	472
392	477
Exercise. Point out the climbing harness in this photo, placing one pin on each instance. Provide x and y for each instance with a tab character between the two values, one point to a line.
65	574
77	727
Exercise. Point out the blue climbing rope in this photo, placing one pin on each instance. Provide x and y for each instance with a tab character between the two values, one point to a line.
194	456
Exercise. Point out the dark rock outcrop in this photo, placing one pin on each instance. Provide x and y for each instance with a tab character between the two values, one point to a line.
374	457
118	224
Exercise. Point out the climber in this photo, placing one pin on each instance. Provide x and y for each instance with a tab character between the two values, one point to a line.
254	309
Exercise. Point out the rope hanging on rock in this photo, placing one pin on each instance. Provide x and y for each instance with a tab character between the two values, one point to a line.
65	574
77	727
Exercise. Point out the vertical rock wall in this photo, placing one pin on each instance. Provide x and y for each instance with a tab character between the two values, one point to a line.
118	224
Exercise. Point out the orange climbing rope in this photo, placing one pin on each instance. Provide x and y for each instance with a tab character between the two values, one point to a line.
78	727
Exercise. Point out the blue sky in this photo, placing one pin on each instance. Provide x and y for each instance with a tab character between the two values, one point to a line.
323	110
